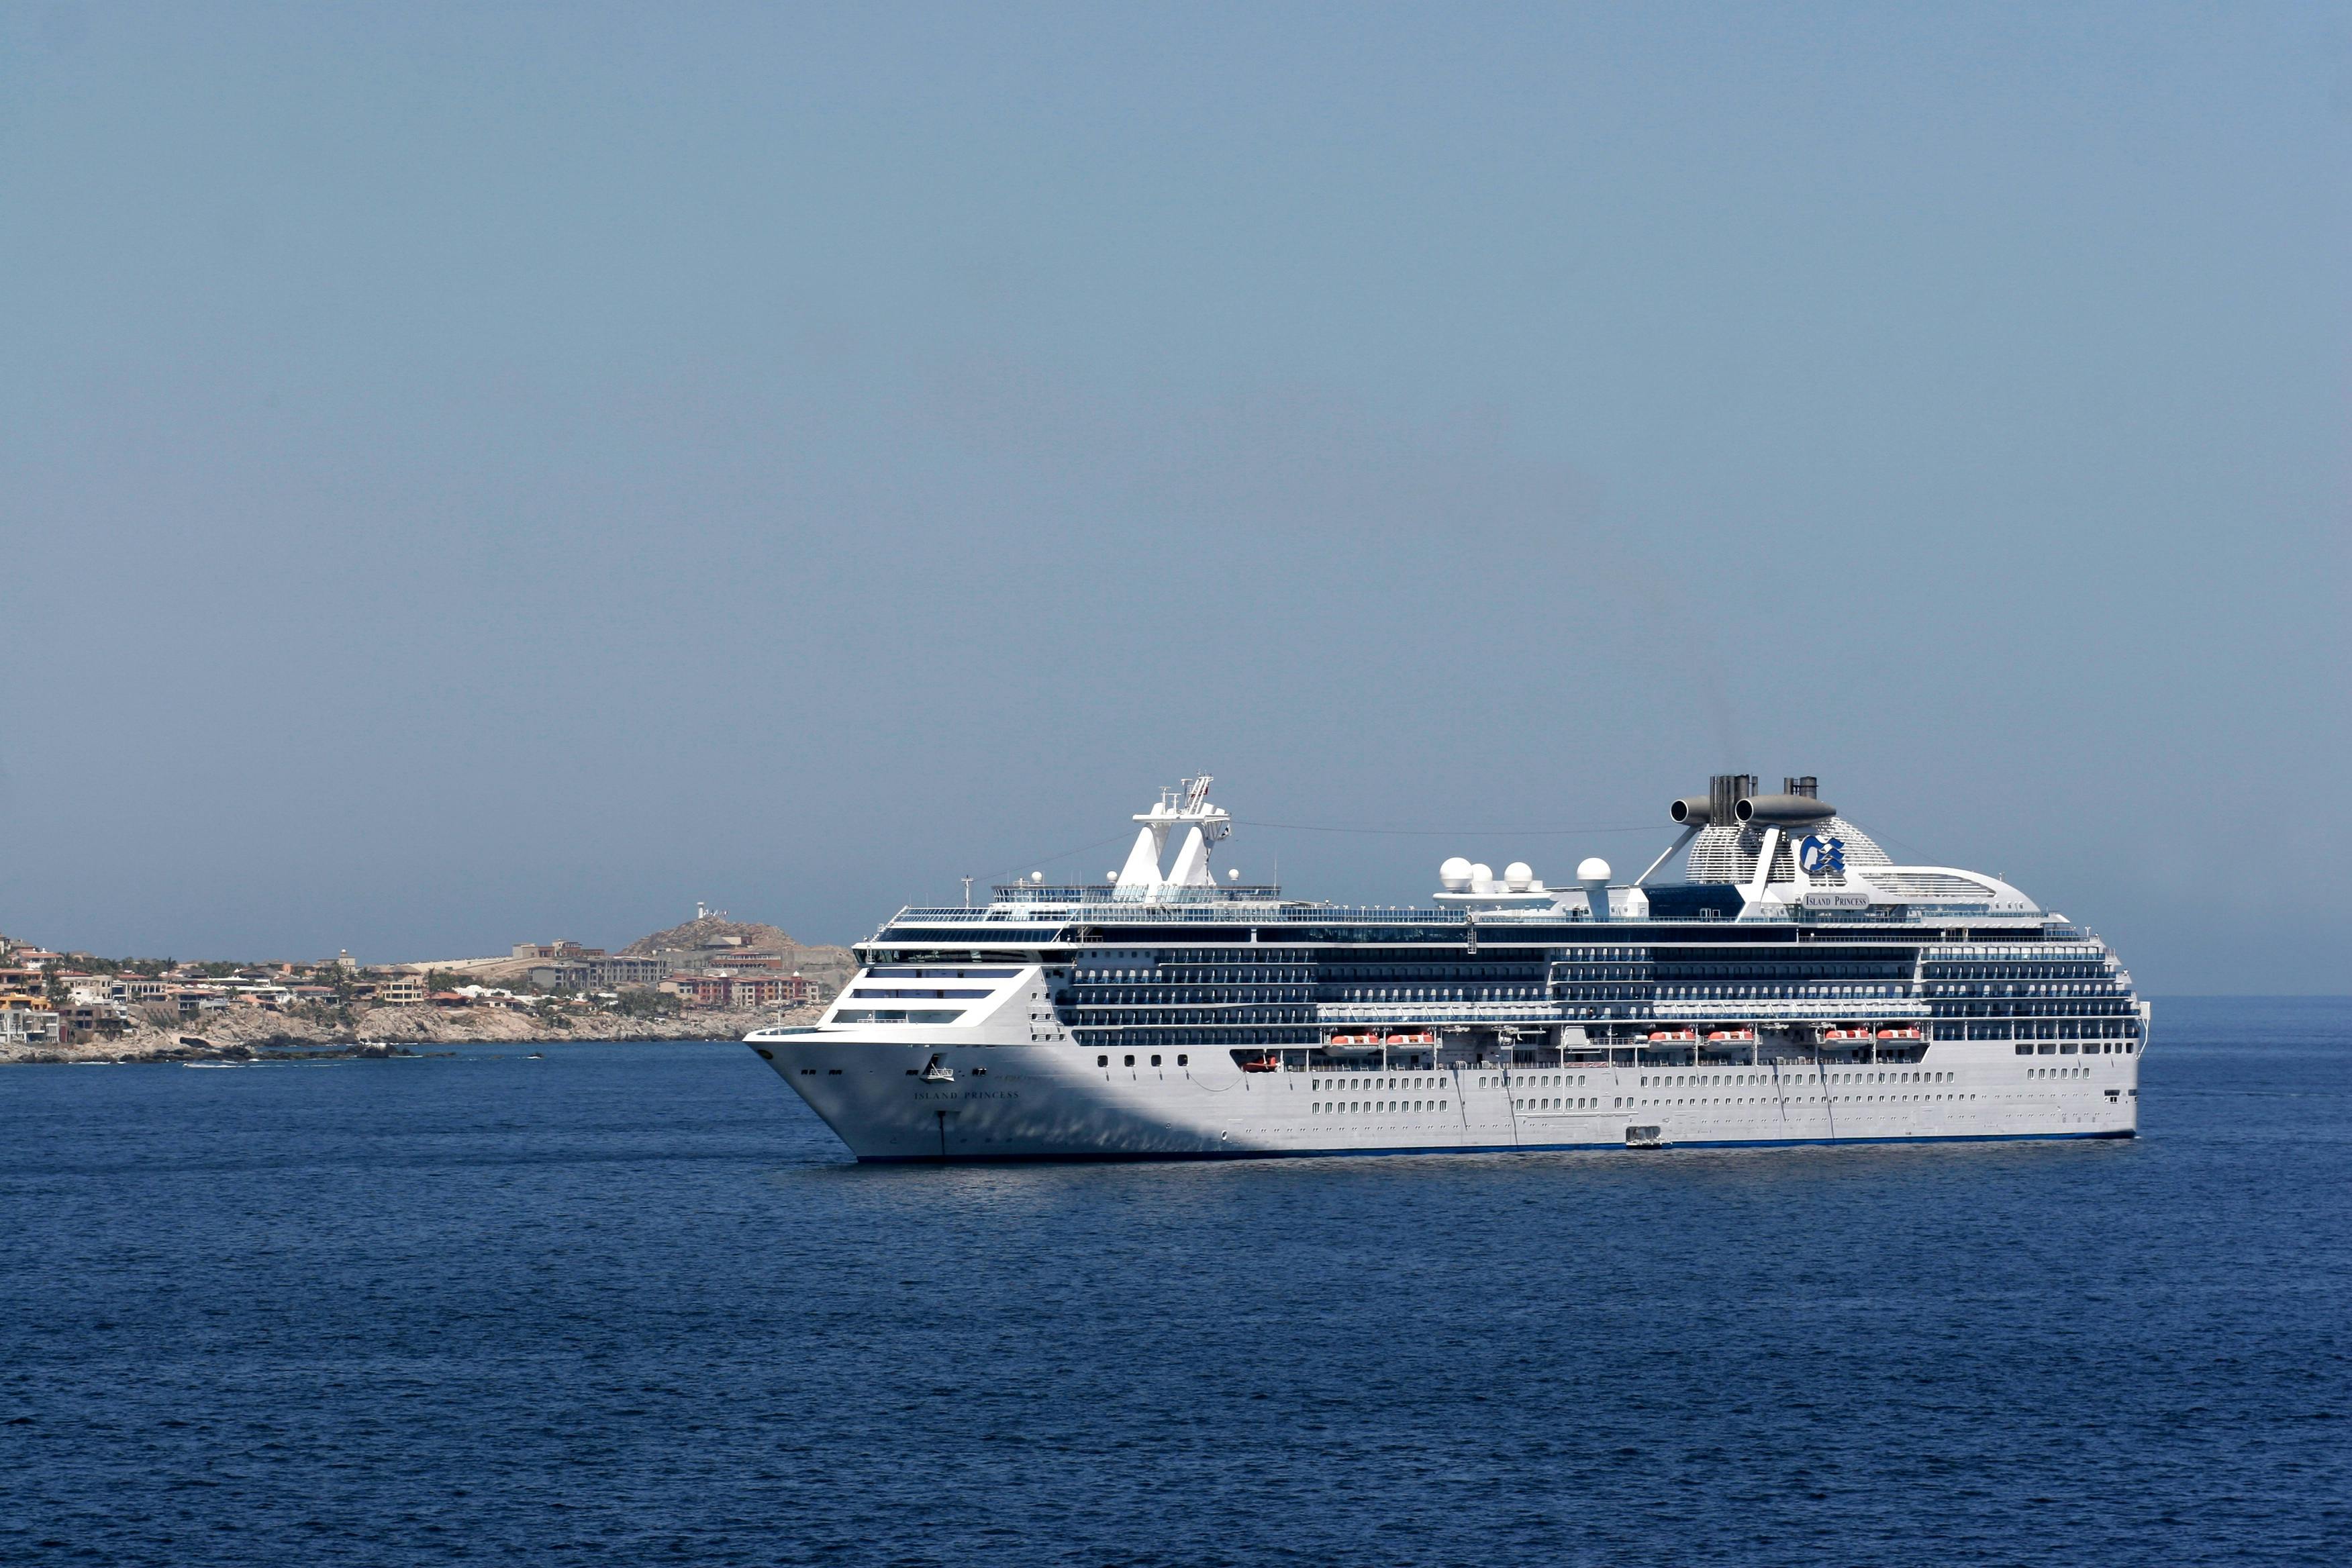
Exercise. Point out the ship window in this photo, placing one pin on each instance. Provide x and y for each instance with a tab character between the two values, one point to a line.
1155	1062
1182	1060
1131	1061
1102	1061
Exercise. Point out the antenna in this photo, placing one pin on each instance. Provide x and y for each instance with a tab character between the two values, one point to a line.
967	892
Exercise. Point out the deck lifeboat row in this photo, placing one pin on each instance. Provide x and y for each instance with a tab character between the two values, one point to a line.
1373	1040
1742	1036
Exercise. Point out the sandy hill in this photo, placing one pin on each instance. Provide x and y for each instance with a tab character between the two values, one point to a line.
713	932
833	966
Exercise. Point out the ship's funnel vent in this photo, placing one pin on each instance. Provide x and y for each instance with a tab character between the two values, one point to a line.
1732	800
1719	806
1784	810
1724	794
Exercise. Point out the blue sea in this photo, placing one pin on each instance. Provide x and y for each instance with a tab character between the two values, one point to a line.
632	1304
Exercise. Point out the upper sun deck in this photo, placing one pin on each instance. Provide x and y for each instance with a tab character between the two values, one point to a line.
1079	919
1783	861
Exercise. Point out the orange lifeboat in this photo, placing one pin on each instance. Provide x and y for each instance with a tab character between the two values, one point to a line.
1848	1037
1731	1037
1906	1034
1262	1064
1674	1038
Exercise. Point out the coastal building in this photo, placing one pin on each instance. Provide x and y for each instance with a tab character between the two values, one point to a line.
561	951
90	1021
752	990
597	973
26	1020
401	991
700	990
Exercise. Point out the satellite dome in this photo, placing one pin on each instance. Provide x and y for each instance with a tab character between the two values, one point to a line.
1454	875
1518	875
1595	869
1481	878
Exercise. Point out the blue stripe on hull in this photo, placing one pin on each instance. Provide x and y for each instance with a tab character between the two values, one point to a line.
1494	1149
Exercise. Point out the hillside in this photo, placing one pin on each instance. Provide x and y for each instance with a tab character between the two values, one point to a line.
713	932
711	936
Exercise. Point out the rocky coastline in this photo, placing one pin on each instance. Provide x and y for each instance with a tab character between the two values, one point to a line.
252	1033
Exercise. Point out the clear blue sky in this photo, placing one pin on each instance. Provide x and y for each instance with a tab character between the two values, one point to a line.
470	474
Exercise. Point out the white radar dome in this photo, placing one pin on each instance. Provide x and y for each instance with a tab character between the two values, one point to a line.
1481	878
1596	869
1454	875
1518	875
1036	875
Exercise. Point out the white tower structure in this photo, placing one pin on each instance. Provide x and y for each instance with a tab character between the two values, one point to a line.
1203	824
1186	807
1140	877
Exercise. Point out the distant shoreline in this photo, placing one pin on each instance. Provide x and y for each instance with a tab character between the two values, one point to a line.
252	1035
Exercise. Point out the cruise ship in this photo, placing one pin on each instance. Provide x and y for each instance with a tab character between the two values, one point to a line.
1792	986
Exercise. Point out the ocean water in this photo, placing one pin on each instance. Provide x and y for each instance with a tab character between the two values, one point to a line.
631	1304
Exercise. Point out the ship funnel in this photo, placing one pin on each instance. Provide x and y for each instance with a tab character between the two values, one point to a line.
1692	809
1784	810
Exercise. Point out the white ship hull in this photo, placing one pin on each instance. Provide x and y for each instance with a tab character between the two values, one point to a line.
1049	1101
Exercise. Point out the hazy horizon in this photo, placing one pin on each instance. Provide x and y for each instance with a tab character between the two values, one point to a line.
479	475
